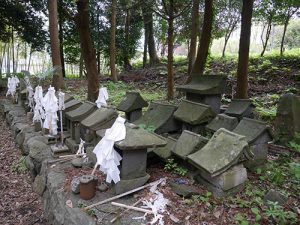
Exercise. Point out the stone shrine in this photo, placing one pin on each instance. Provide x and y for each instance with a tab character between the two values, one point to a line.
132	105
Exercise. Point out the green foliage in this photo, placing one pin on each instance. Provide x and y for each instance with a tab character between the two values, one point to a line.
241	220
91	212
293	145
20	166
173	167
294	169
150	128
256	212
277	213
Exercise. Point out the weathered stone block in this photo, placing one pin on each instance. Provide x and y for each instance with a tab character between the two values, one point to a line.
165	152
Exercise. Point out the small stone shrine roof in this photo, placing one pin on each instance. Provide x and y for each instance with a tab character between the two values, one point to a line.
221	152
252	129
205	84
100	118
188	143
131	102
222	121
194	113
238	107
137	138
160	117
81	112
72	103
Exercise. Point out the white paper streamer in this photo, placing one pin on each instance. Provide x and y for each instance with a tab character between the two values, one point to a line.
12	84
102	97
38	113
107	157
50	104
61	100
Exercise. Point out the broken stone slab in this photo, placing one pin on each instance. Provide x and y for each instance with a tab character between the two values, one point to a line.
275	196
39	185
221	152
132	105
194	113
184	190
287	122
75	185
160	118
222	121
165	152
188	143
240	108
69	106
229	179
28	138
260	152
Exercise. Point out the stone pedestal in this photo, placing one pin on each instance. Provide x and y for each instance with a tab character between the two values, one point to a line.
133	150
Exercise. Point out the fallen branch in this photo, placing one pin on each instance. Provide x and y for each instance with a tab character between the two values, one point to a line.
132	207
118	216
124	194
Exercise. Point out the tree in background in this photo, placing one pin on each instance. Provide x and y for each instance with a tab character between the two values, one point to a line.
287	9
195	26
112	49
205	40
227	18
242	71
57	80
170	10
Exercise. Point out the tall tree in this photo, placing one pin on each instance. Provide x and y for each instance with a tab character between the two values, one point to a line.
57	80
172	9
194	34
149	42
242	71
112	48
205	40
287	10
82	21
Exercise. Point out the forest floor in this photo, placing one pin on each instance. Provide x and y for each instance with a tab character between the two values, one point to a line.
18	204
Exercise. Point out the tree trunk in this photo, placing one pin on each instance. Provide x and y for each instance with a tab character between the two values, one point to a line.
205	40
227	36
61	37
195	27
145	53
57	80
82	21
13	50
153	57
286	23
112	49
17	58
8	60
29	60
242	71
126	60
268	32
2	59
81	66
98	62
170	94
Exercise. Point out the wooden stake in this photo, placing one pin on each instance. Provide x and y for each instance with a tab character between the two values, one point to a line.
132	207
118	216
94	170
124	194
